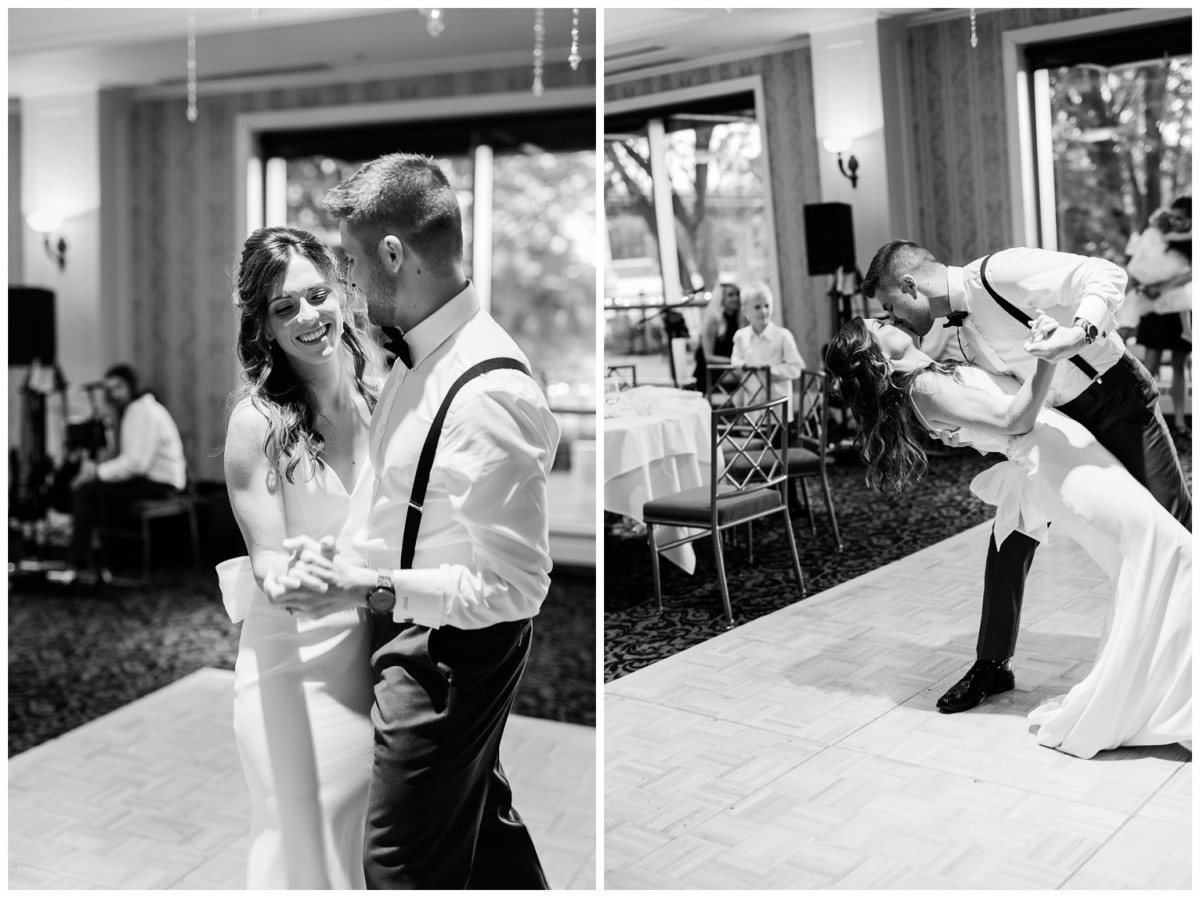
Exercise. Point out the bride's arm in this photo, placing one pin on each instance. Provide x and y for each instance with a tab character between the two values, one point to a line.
257	499
948	401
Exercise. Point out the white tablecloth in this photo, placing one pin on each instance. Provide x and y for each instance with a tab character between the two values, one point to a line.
656	442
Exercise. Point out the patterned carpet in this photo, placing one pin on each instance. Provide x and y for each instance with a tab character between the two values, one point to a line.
72	658
875	531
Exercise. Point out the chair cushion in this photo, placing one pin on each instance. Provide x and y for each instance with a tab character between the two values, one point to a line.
802	461
691	507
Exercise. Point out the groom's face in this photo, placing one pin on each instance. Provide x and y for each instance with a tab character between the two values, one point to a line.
367	276
907	305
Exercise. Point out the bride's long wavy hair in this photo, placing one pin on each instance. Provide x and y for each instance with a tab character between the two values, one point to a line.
889	436
270	381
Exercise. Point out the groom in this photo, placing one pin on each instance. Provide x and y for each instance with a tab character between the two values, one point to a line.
458	565
1099	384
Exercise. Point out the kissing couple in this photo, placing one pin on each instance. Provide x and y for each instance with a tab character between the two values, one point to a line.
1049	384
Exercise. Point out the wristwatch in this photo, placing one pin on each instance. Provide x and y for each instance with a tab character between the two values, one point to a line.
1090	331
382	596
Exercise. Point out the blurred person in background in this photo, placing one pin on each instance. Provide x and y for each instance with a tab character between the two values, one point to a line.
148	464
1160	269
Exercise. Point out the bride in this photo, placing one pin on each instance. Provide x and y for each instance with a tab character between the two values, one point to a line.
1139	690
296	463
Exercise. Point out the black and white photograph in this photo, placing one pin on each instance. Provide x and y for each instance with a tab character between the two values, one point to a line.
896	456
302	549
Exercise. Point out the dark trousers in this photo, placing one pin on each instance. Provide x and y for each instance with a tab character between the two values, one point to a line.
440	812
1121	410
97	503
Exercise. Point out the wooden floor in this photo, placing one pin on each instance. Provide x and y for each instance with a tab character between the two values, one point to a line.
803	749
152	797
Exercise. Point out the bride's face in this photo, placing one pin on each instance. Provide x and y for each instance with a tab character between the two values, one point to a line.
304	314
893	342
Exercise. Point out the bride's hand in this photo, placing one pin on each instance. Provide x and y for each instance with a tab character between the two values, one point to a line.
325	570
1050	342
1041	327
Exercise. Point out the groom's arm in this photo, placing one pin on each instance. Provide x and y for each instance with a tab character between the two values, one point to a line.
494	454
1067	286
494	457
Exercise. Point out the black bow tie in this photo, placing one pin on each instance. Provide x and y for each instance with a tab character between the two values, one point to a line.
955	319
394	343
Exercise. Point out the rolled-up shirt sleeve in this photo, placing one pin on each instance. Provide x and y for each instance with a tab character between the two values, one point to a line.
1092	288
493	457
140	437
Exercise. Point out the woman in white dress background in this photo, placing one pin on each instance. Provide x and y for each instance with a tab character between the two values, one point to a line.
1139	689
296	463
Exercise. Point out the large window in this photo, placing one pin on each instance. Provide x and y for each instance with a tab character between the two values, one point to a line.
1113	125
685	201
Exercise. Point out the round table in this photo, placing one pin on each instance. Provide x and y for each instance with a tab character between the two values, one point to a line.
657	441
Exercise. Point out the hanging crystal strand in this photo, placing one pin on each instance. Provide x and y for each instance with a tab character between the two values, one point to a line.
192	112
974	37
434	21
539	50
574	58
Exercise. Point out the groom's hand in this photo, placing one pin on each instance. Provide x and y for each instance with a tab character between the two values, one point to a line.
1051	342
322	580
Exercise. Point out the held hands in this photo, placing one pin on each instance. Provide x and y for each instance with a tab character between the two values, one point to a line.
318	580
1051	342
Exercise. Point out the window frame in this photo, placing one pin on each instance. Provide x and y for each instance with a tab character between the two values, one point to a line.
1031	182
672	288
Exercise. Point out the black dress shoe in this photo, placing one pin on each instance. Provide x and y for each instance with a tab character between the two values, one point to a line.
983	679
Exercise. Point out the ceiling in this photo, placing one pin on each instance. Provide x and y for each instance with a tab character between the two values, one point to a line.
62	50
637	39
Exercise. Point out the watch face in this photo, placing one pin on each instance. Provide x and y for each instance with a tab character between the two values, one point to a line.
382	600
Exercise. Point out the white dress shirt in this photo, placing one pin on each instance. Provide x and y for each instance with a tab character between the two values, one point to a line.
774	348
483	550
149	446
1063	285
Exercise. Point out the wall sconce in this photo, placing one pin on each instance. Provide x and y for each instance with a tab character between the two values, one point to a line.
841	145
46	224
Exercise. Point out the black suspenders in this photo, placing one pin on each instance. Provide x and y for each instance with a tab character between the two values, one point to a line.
412	524
1025	319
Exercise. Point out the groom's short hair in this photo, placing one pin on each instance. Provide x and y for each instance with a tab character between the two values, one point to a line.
406	194
892	261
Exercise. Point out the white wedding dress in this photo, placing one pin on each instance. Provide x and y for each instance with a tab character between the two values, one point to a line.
1139	692
303	693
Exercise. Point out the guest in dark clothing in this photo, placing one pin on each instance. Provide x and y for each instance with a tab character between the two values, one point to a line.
722	320
149	464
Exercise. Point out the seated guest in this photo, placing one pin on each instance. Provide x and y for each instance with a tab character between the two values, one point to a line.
148	464
765	344
722	318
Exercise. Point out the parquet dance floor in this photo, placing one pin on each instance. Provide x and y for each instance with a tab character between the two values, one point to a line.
804	750
152	797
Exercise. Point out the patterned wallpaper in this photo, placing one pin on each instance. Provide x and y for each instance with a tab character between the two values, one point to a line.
960	131
184	241
792	151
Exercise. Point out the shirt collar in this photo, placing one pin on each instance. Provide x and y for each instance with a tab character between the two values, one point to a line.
437	328
766	332
957	289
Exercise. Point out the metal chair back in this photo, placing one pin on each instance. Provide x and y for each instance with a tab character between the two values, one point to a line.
730	387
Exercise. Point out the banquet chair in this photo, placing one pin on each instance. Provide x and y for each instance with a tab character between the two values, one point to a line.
808	459
745	484
135	523
625	375
741	386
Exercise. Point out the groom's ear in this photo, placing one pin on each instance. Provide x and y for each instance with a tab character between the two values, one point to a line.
391	253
